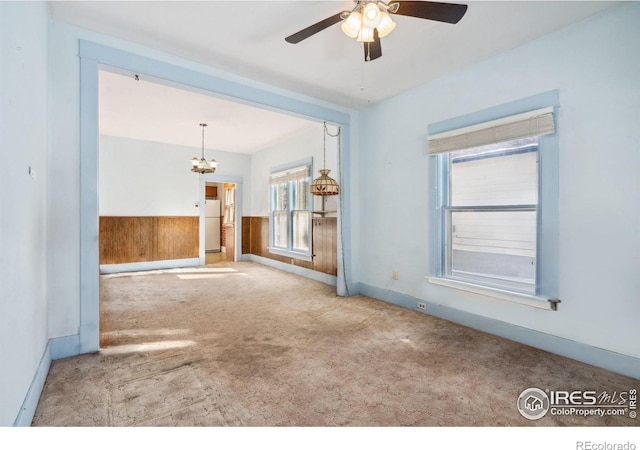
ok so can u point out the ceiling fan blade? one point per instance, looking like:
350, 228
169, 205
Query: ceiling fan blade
313, 29
373, 50
441, 12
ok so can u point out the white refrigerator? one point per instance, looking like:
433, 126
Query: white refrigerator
212, 226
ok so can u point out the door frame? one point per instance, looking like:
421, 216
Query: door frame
94, 57
213, 178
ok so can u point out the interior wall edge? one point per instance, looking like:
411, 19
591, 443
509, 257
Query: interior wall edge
65, 346
30, 403
599, 357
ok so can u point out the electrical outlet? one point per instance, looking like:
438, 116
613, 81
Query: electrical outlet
421, 306
394, 275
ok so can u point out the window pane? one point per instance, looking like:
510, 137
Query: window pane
301, 194
494, 247
280, 226
497, 174
301, 231
281, 200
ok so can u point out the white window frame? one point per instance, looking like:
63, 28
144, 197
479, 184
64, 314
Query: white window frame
440, 144
285, 171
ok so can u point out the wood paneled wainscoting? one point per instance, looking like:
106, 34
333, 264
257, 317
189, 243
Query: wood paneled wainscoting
255, 240
140, 239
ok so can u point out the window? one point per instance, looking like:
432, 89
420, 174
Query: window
290, 220
489, 203
490, 216
229, 217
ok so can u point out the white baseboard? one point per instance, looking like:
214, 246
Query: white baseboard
303, 272
30, 403
149, 265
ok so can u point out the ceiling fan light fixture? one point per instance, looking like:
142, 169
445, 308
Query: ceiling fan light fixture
371, 15
386, 25
365, 35
351, 25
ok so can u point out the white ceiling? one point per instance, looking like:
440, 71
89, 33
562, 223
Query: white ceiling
246, 38
149, 111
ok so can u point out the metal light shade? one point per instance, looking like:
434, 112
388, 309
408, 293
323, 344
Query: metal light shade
324, 184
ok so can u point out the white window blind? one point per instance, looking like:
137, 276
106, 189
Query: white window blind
293, 174
532, 123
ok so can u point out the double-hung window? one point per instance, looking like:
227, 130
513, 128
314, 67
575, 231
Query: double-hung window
290, 220
489, 203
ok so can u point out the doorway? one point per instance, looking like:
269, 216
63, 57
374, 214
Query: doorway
93, 57
219, 222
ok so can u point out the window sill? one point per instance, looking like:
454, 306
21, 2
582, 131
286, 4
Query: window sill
290, 254
523, 299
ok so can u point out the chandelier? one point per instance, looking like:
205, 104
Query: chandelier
201, 165
366, 18
324, 184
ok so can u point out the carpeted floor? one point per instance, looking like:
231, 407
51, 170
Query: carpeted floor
241, 344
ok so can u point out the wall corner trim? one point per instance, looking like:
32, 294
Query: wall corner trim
606, 359
65, 346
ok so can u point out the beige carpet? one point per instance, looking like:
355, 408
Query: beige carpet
241, 344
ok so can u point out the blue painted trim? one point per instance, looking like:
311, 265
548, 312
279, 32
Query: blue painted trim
30, 403
65, 346
299, 163
543, 100
548, 260
89, 254
616, 362
345, 285
140, 64
297, 270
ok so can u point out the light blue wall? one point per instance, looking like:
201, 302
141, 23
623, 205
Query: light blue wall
162, 190
23, 200
596, 69
308, 144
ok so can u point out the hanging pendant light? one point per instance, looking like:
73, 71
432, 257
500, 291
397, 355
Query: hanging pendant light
324, 184
201, 165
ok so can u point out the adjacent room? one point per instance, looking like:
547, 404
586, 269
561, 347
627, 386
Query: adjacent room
320, 214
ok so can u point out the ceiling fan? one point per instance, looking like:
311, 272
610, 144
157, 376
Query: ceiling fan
371, 20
